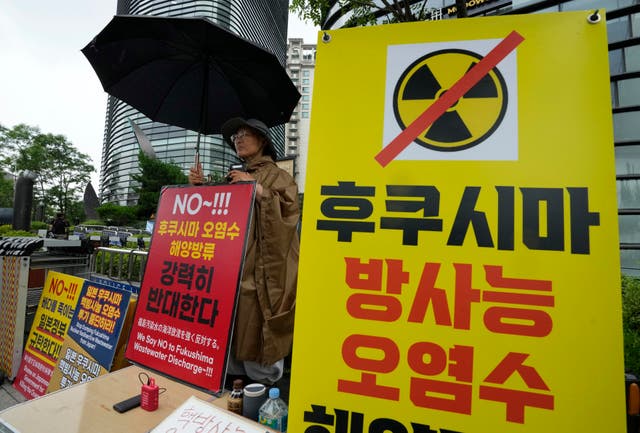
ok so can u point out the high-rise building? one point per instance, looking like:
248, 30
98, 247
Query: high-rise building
263, 22
623, 30
301, 61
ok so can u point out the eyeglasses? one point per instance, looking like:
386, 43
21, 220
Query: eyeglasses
236, 137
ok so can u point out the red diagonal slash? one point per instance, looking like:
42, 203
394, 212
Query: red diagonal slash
442, 104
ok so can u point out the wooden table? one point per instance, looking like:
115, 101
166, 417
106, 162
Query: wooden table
88, 407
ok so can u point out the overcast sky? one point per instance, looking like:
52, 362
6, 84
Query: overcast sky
45, 81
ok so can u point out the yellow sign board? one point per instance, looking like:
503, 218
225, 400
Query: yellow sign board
459, 269
48, 332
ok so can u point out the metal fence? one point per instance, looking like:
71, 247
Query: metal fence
119, 264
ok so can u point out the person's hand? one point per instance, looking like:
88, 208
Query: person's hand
196, 174
242, 176
239, 176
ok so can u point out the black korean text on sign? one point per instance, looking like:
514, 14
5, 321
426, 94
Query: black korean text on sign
192, 306
355, 422
347, 209
429, 204
347, 205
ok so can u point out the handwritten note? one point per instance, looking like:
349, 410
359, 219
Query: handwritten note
196, 415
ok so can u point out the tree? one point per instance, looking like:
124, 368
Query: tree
12, 141
154, 174
631, 323
114, 214
75, 212
33, 157
62, 171
70, 171
6, 192
366, 12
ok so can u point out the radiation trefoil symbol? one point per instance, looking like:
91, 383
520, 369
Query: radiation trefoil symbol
470, 120
455, 100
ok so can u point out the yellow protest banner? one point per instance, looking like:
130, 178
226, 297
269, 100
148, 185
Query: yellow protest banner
459, 269
48, 332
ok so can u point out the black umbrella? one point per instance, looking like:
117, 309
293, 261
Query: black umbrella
189, 72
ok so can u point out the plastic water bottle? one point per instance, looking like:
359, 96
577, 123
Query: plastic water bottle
273, 413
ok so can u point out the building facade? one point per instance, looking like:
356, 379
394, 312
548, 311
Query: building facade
623, 31
263, 22
301, 61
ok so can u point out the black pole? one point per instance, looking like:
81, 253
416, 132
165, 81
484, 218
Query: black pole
23, 201
204, 102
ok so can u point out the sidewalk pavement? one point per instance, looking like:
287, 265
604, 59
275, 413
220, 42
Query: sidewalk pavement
9, 396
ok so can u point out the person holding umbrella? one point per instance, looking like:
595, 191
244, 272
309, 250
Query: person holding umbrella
263, 331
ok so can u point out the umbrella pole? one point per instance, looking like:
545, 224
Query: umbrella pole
198, 149
203, 112
203, 104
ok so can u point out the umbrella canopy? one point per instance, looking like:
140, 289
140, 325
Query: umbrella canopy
189, 72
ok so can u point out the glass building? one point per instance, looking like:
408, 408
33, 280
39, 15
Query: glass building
623, 30
263, 22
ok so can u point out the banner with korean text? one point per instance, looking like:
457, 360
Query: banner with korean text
186, 307
48, 332
92, 337
459, 268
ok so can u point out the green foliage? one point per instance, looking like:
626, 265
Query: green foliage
364, 12
62, 171
631, 323
6, 192
39, 225
12, 141
75, 212
154, 174
94, 223
114, 214
7, 231
19, 234
311, 10
631, 351
216, 178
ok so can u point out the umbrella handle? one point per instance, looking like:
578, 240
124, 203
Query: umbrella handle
196, 170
